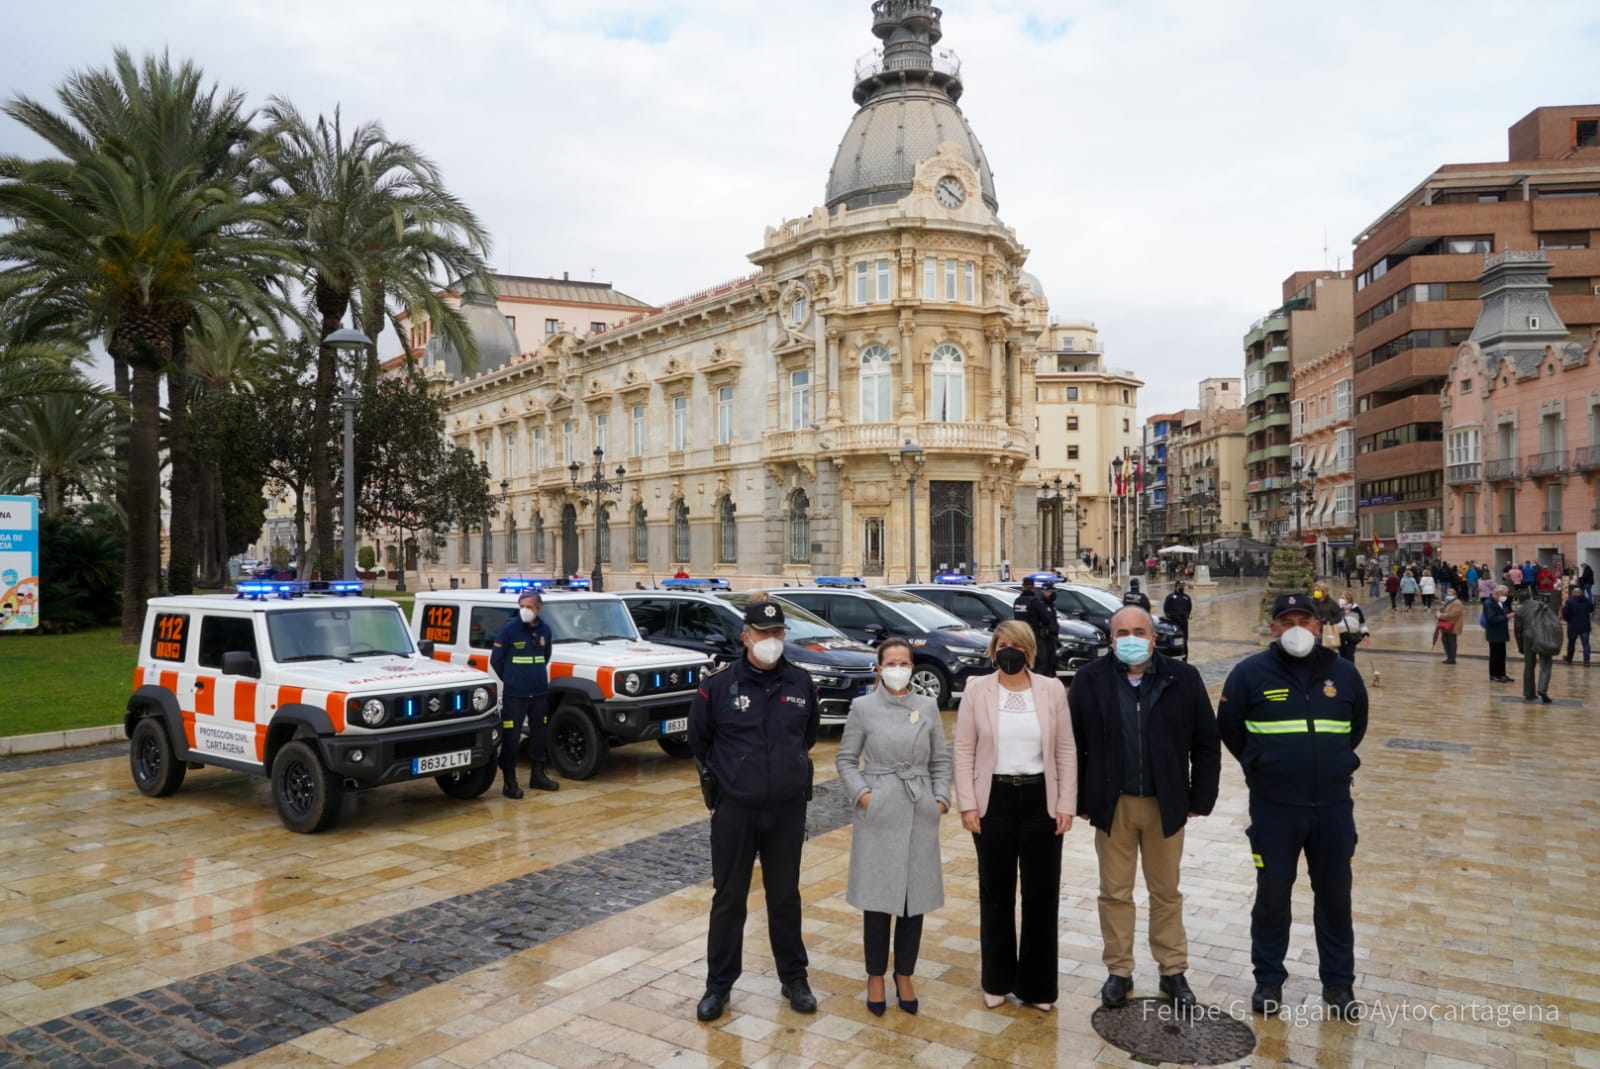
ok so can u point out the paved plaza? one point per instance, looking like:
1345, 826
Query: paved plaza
568, 930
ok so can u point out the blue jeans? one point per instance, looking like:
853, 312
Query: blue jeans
1573, 640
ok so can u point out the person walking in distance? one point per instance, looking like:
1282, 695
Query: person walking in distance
1426, 587
1391, 586
1149, 759
1177, 609
751, 728
1497, 615
1578, 612
1351, 626
1452, 616
1408, 589
1586, 580
1294, 716
894, 765
521, 658
1538, 634
1016, 779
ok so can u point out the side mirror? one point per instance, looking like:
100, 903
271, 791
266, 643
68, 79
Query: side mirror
644, 634
240, 663
425, 647
717, 641
989, 622
877, 631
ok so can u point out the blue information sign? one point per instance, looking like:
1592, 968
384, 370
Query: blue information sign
19, 563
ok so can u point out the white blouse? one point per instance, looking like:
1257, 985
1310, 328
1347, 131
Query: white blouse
1019, 749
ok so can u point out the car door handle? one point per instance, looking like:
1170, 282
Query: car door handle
199, 684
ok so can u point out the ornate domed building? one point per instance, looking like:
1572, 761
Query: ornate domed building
869, 388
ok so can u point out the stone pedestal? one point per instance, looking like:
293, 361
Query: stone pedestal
1202, 576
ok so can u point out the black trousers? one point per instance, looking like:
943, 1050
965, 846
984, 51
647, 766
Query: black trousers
1019, 837
1347, 646
738, 836
1182, 624
519, 716
907, 942
1497, 660
1326, 834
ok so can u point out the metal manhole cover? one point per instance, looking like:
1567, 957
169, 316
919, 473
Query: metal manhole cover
1152, 1031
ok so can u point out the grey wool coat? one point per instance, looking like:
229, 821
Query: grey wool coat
894, 747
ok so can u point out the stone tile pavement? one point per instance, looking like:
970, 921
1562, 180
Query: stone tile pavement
568, 930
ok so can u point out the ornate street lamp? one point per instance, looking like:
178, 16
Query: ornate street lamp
599, 487
1303, 489
912, 457
353, 341
1117, 536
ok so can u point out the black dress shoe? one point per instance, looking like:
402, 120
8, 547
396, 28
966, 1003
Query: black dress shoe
1342, 1002
1267, 998
711, 1005
1177, 989
1545, 698
1114, 992
511, 790
798, 992
541, 782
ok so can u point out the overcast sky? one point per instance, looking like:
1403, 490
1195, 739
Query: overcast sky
1168, 162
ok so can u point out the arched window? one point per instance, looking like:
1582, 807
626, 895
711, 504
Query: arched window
799, 528
727, 532
538, 538
603, 533
680, 531
641, 535
876, 385
511, 539
947, 396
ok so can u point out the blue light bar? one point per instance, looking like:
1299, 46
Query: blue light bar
510, 585
702, 583
840, 580
954, 579
1044, 577
255, 591
346, 586
578, 582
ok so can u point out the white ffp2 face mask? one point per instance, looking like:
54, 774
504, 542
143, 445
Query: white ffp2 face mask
1297, 642
528, 615
895, 678
767, 651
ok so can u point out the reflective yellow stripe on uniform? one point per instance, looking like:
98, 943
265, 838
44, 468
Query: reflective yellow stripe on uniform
1333, 727
1276, 727
522, 660
1257, 859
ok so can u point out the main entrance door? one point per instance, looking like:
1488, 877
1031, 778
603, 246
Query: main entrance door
950, 521
569, 541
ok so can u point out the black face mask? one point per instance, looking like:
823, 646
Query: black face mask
1010, 660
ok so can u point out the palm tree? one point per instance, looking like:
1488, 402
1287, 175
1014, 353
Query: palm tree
146, 217
61, 444
225, 360
373, 224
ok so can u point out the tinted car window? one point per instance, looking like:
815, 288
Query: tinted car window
817, 603
804, 626
221, 634
485, 623
698, 621
652, 616
854, 613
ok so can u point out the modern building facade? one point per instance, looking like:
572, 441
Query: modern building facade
863, 403
1521, 417
1313, 318
1417, 273
1323, 429
1206, 468
1155, 495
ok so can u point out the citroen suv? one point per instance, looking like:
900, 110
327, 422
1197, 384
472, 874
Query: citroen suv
982, 606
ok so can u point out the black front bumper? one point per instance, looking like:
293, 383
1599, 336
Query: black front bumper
834, 702
642, 719
387, 756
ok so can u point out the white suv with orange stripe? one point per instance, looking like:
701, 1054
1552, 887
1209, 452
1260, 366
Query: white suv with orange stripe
318, 691
607, 685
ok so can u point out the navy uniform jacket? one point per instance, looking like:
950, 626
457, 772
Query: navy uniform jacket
521, 657
1294, 724
754, 729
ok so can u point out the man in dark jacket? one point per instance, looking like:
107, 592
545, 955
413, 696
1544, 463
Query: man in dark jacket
1578, 612
1135, 596
752, 726
1040, 616
1148, 759
1293, 715
1497, 615
1538, 635
521, 658
1177, 609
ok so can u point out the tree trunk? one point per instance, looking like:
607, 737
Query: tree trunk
142, 558
300, 546
331, 304
219, 504
180, 491
205, 510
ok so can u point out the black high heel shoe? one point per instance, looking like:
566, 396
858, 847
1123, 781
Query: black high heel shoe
878, 1008
909, 1005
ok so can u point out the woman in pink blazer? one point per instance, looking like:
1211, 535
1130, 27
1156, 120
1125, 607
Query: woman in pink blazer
1016, 783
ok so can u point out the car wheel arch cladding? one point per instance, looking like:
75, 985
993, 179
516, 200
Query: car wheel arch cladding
155, 701
303, 722
573, 688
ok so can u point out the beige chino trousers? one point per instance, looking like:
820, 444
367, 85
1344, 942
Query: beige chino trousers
1136, 835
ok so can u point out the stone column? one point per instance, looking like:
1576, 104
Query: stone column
997, 366
908, 340
835, 415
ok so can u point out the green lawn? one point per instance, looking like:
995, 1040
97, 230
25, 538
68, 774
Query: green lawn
55, 682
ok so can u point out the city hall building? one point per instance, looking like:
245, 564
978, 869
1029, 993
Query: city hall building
868, 389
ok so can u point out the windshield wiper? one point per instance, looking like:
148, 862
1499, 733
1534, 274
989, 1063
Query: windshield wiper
316, 657
608, 638
380, 653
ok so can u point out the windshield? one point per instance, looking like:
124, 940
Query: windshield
588, 619
338, 632
925, 615
803, 626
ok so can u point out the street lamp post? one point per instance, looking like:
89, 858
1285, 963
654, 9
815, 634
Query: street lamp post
354, 341
598, 486
1302, 488
488, 539
1117, 536
911, 456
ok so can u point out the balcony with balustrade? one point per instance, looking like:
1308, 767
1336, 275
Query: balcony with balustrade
1500, 471
1544, 465
1551, 521
1508, 523
1455, 474
1586, 458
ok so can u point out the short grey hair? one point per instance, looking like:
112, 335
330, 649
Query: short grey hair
1150, 621
534, 594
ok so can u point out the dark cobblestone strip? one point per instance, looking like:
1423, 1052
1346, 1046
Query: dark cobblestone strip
223, 1016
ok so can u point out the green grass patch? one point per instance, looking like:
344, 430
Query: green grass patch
58, 682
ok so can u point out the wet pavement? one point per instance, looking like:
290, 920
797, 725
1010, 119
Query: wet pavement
568, 929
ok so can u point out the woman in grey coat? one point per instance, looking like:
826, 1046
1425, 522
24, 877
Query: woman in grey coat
894, 764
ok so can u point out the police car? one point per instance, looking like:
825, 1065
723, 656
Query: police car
982, 605
608, 687
311, 685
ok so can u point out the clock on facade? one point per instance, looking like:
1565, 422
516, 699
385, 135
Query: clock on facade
950, 191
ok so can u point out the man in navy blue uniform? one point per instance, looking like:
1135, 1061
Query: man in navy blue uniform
521, 659
752, 726
1294, 715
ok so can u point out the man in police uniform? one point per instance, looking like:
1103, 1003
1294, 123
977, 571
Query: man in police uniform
751, 726
1040, 616
1135, 596
1177, 609
521, 659
1294, 716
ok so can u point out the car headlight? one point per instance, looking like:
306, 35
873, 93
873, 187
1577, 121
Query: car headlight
374, 712
482, 698
631, 683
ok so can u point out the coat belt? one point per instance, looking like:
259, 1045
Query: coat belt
912, 776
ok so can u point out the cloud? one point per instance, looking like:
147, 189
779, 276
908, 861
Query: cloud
1168, 163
